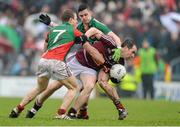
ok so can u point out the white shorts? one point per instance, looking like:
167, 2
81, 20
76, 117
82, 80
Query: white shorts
78, 69
55, 69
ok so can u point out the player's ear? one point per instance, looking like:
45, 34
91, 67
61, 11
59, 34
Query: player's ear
70, 20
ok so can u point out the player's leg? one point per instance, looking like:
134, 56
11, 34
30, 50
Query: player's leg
52, 87
42, 85
72, 86
82, 113
88, 82
112, 93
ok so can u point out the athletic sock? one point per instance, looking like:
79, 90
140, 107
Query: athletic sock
20, 108
61, 111
83, 112
118, 105
36, 107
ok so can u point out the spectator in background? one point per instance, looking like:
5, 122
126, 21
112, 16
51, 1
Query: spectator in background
170, 20
148, 66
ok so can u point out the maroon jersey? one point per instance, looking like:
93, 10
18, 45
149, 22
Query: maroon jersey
104, 46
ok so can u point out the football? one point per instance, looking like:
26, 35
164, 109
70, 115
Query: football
117, 71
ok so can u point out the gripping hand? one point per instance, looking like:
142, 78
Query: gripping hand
45, 19
117, 54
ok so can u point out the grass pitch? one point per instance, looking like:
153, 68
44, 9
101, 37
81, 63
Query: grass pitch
101, 111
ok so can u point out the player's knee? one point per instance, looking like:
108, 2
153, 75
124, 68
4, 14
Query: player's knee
73, 87
88, 88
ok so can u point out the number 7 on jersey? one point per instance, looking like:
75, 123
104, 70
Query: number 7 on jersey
59, 33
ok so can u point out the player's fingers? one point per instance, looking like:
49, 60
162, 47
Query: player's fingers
46, 16
117, 59
113, 56
42, 21
41, 16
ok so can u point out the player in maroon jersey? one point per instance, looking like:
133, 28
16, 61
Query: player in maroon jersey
105, 46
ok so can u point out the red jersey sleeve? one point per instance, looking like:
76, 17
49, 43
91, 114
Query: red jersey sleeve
77, 33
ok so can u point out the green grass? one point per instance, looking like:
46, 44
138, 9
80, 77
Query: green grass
101, 112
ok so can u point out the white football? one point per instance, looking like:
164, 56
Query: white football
117, 71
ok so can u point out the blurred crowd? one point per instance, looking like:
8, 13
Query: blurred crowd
22, 35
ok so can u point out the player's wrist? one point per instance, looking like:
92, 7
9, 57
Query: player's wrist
52, 24
119, 47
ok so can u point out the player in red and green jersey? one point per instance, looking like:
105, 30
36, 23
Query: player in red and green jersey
52, 65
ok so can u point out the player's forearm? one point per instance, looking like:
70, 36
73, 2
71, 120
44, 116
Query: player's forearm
94, 32
115, 38
96, 55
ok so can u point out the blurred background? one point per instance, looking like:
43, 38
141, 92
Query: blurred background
156, 22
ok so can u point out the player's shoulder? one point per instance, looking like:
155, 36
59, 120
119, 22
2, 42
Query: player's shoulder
95, 21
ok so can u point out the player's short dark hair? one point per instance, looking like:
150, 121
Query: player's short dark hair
67, 14
129, 42
82, 7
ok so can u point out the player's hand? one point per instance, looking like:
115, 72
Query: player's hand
44, 19
117, 54
106, 69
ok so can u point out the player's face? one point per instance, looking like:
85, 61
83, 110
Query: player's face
130, 53
85, 16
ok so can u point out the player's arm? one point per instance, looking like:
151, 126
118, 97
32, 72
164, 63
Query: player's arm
107, 31
96, 55
100, 26
115, 38
94, 32
46, 20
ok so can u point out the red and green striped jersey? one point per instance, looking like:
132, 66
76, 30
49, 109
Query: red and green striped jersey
60, 39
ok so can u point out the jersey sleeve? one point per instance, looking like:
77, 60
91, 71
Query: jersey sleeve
108, 41
77, 33
102, 27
